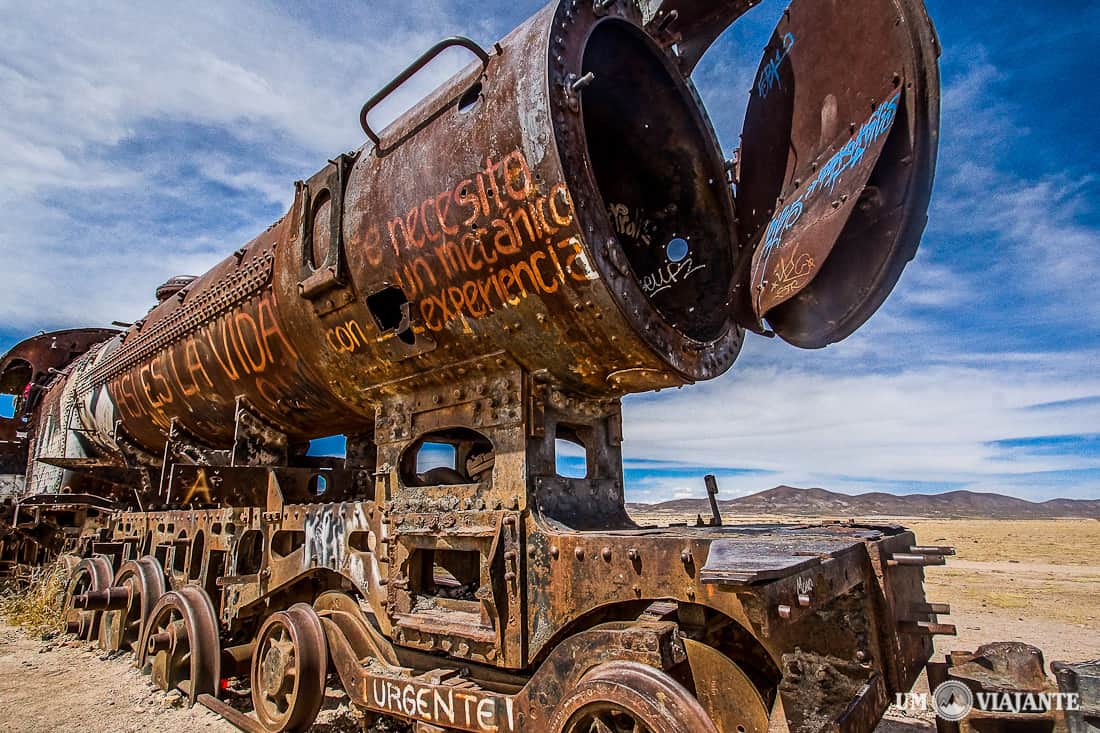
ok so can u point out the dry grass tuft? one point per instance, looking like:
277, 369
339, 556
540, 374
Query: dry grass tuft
38, 607
1006, 600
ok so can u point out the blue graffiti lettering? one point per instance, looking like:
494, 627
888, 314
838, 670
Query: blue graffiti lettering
773, 237
829, 174
853, 151
769, 75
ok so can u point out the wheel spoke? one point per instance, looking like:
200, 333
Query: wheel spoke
288, 643
602, 724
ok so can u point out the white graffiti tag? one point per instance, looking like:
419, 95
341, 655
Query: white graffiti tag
324, 538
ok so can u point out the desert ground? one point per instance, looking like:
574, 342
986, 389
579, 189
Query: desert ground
1029, 580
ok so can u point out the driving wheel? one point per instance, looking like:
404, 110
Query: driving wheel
143, 583
629, 697
90, 574
289, 669
179, 645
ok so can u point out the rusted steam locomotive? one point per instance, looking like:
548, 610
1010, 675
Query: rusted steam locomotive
553, 228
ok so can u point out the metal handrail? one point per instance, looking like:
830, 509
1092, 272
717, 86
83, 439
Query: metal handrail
416, 66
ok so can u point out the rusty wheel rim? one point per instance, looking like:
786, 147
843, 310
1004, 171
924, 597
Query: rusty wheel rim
629, 697
170, 649
179, 645
90, 574
288, 669
122, 629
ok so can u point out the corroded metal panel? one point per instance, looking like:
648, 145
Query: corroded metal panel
836, 165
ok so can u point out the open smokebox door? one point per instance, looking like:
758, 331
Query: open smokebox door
836, 163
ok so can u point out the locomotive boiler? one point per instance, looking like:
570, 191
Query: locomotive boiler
553, 228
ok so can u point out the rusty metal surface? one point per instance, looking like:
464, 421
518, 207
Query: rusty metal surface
571, 235
13, 455
26, 370
1083, 680
837, 161
142, 582
1007, 666
725, 692
625, 695
29, 362
90, 574
179, 644
231, 714
289, 669
1011, 668
693, 25
767, 557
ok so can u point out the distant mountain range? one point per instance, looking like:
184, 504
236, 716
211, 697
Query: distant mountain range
789, 500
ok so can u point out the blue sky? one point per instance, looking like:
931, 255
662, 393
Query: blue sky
140, 142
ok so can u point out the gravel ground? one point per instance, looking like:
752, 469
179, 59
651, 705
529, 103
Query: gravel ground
64, 685
56, 684
59, 685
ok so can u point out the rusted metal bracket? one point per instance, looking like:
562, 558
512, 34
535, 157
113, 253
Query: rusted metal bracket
182, 444
1082, 680
321, 214
256, 442
1000, 668
135, 455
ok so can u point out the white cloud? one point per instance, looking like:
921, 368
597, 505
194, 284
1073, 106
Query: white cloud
927, 425
1038, 243
88, 229
931, 284
223, 169
81, 74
